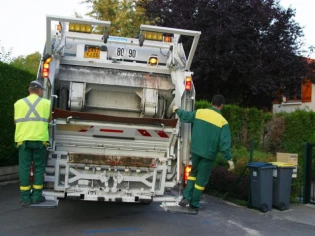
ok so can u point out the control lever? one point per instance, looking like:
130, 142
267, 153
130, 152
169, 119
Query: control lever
72, 118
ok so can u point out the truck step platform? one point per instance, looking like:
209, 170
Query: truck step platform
48, 203
173, 207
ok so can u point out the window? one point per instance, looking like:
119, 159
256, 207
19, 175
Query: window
306, 91
302, 93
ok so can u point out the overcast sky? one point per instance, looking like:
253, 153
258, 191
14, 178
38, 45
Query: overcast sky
22, 22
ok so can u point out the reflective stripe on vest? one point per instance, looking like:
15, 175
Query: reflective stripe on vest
32, 110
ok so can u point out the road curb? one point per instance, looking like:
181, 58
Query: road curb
9, 174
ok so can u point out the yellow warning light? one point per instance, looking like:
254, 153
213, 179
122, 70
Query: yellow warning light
153, 61
167, 39
80, 28
153, 35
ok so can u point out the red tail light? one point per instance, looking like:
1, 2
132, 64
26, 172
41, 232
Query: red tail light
188, 83
45, 72
186, 174
46, 66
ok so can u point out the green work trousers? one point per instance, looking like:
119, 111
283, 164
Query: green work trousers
31, 151
198, 179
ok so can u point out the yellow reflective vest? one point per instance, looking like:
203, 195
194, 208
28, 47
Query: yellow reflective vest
31, 116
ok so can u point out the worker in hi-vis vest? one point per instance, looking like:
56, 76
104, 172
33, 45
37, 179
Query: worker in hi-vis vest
31, 117
210, 135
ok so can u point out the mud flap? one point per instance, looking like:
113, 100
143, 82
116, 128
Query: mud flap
50, 202
173, 207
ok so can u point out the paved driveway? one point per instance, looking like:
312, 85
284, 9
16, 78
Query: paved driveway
95, 218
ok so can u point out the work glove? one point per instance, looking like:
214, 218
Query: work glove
231, 165
175, 108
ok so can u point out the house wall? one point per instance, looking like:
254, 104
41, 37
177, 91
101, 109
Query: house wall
291, 106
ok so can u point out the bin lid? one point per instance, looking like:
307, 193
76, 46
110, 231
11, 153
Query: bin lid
282, 164
261, 164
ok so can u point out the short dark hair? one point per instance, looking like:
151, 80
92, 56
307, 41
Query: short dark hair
217, 100
33, 90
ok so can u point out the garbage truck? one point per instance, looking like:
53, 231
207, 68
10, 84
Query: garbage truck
113, 134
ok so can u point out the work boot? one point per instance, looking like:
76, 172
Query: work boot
196, 208
42, 199
193, 210
183, 203
25, 204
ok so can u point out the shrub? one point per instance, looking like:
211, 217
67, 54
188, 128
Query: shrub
14, 85
235, 183
234, 115
273, 135
202, 104
228, 182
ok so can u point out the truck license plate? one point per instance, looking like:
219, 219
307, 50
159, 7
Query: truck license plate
91, 52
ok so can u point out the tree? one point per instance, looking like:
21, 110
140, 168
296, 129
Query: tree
248, 49
124, 15
29, 63
5, 56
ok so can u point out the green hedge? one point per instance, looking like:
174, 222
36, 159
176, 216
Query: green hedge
299, 128
245, 123
283, 132
14, 85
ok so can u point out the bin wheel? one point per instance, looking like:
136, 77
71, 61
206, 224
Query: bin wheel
263, 207
281, 206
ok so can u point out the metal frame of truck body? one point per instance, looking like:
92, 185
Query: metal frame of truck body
149, 155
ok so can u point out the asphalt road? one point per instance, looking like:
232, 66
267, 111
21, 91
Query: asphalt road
95, 218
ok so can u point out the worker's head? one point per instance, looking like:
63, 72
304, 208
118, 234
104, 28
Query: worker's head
218, 101
36, 87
